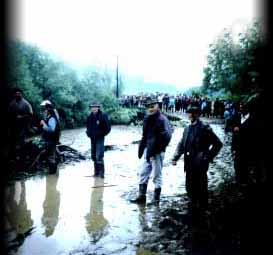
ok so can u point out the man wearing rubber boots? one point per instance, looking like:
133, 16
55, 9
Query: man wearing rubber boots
98, 126
156, 136
199, 145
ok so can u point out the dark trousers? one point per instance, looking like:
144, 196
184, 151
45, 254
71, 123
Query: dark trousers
97, 154
241, 171
197, 182
51, 152
50, 147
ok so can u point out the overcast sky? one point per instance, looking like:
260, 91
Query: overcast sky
161, 40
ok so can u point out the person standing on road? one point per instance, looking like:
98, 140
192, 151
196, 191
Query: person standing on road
199, 145
98, 126
156, 136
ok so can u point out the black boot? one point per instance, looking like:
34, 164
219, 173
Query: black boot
101, 170
156, 197
96, 170
52, 168
141, 199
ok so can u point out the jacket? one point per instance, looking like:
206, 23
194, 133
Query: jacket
198, 150
156, 135
49, 134
98, 125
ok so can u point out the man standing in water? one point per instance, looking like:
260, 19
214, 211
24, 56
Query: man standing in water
51, 135
199, 145
156, 136
98, 126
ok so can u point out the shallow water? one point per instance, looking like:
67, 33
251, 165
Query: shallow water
74, 213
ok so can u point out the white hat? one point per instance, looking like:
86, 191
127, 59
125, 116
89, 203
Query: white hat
45, 102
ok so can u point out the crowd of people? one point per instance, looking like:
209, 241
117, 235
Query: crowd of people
210, 108
179, 103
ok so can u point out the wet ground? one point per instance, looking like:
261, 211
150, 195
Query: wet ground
74, 213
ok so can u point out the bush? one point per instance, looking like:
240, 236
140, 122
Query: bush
122, 116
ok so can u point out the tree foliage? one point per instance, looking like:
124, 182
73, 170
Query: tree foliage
233, 66
42, 77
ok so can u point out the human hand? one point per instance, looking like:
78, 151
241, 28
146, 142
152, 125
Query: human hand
42, 122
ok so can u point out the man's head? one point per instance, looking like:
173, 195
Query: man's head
152, 106
46, 105
94, 107
193, 113
48, 109
18, 94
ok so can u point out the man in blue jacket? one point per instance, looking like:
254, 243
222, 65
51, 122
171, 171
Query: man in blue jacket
156, 136
98, 126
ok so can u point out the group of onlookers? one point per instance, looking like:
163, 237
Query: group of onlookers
217, 108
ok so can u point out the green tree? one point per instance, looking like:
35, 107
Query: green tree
231, 65
19, 74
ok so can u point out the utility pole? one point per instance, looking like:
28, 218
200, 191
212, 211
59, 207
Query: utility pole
117, 92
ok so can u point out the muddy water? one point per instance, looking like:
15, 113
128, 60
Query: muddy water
74, 213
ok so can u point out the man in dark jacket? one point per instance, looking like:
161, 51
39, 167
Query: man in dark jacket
51, 135
156, 136
248, 148
195, 145
98, 126
20, 116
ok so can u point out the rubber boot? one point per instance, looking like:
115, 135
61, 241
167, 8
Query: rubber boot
101, 170
156, 197
52, 168
96, 170
141, 199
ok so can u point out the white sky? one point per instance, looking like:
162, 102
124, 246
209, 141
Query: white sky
162, 40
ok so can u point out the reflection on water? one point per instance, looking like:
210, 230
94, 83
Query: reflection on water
18, 216
51, 205
95, 222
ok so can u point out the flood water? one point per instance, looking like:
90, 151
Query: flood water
72, 213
